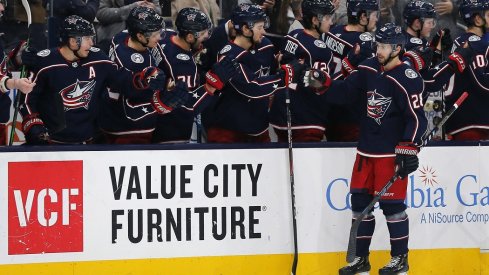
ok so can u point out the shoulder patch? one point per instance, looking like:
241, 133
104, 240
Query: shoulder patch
411, 73
416, 40
44, 53
183, 56
137, 58
319, 44
94, 49
226, 48
366, 36
473, 38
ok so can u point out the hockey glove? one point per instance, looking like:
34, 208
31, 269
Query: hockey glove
319, 81
356, 56
222, 72
150, 78
292, 72
420, 57
165, 101
406, 158
34, 130
460, 58
446, 40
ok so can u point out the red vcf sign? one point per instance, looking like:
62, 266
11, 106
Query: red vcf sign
45, 207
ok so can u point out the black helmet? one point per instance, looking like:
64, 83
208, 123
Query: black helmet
390, 33
468, 8
354, 7
418, 10
317, 7
192, 20
144, 20
246, 14
74, 26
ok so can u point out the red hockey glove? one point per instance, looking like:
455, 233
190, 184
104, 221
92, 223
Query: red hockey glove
150, 78
460, 58
222, 72
420, 57
34, 130
165, 101
318, 80
292, 72
406, 158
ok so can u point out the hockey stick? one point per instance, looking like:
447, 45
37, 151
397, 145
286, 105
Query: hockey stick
23, 73
352, 241
291, 179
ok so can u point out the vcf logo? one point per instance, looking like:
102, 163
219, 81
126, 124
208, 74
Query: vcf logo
45, 207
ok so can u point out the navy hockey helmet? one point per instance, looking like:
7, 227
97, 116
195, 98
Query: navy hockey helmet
469, 8
317, 7
192, 20
246, 14
355, 7
390, 33
418, 10
144, 20
74, 26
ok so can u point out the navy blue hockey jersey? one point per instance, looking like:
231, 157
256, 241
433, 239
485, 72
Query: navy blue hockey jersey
393, 107
4, 98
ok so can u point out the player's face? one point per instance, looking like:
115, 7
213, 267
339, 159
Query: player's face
153, 39
486, 16
372, 21
383, 52
201, 37
86, 44
326, 22
428, 25
258, 31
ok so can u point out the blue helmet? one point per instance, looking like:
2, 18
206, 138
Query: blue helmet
355, 7
246, 14
75, 26
192, 20
144, 20
317, 7
390, 33
418, 10
468, 8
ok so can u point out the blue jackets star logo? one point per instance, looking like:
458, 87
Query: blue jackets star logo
377, 105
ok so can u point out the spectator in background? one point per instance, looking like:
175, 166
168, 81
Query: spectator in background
112, 16
295, 5
209, 7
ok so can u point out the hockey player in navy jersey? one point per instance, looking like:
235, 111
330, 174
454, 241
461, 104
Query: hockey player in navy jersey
308, 115
175, 57
126, 119
420, 19
63, 106
391, 131
241, 111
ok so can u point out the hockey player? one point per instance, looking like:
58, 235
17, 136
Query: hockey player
132, 120
241, 111
308, 115
343, 121
175, 56
391, 129
65, 101
420, 19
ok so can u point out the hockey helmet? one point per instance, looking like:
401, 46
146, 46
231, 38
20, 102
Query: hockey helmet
390, 33
354, 7
144, 20
74, 26
468, 8
246, 14
317, 7
418, 10
192, 20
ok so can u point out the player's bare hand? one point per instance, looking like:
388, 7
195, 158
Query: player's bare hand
268, 4
25, 85
444, 7
146, 4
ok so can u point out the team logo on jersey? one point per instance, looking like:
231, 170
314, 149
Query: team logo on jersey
377, 105
78, 94
137, 58
366, 36
226, 48
473, 38
416, 40
183, 56
44, 53
319, 44
411, 73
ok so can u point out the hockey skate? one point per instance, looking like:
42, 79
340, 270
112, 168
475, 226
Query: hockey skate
397, 266
360, 266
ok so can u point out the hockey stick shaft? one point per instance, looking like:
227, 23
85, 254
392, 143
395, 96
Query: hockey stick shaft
23, 74
352, 240
291, 179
